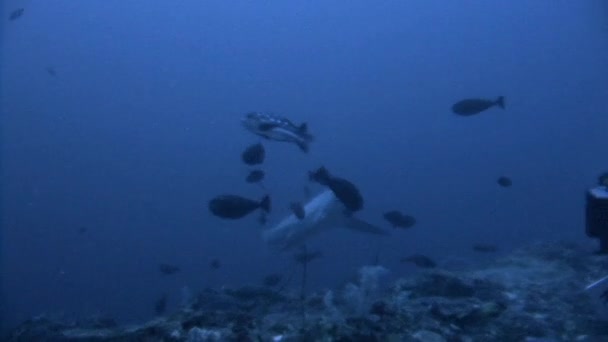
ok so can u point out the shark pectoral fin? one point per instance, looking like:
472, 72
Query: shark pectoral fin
361, 226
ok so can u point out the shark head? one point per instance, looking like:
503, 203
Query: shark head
323, 212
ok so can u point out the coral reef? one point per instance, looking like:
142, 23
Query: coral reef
533, 294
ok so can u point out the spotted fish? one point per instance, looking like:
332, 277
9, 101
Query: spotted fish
277, 128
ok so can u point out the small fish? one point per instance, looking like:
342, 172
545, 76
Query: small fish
254, 154
344, 190
16, 14
51, 71
484, 248
420, 260
215, 264
255, 176
236, 207
505, 182
168, 269
161, 304
397, 219
277, 128
272, 280
470, 107
298, 210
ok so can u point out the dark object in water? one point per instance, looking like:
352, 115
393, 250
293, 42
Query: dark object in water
254, 154
344, 190
596, 216
236, 207
298, 210
255, 176
470, 107
397, 219
160, 307
16, 14
272, 280
82, 229
504, 181
215, 264
51, 71
485, 248
420, 260
168, 269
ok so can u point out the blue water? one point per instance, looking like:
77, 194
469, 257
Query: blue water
140, 127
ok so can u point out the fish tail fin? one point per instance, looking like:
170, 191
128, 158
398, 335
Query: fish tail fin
361, 226
303, 145
501, 102
321, 175
265, 203
303, 132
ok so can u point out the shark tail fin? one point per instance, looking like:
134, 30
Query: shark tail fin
304, 134
303, 145
361, 226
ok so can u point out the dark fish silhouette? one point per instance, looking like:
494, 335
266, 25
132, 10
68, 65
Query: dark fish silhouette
420, 260
215, 264
298, 210
344, 190
470, 107
16, 14
255, 176
160, 307
236, 207
277, 128
168, 269
51, 71
505, 182
397, 219
484, 248
254, 154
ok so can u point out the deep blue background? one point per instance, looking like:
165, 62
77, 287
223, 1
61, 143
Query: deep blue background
141, 127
